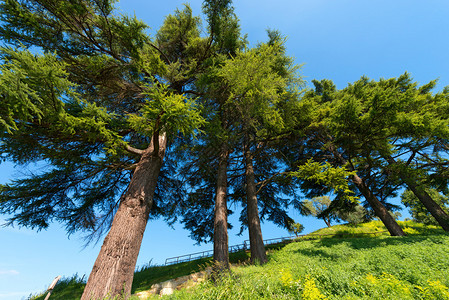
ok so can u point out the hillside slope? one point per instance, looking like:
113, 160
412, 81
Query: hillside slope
414, 267
383, 267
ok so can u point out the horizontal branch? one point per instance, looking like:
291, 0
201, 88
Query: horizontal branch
134, 150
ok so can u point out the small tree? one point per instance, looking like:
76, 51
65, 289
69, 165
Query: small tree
316, 206
322, 208
296, 229
355, 215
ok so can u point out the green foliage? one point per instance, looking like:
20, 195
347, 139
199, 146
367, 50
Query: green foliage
355, 216
166, 112
366, 124
144, 278
319, 208
418, 211
363, 268
223, 25
31, 87
95, 84
323, 208
254, 88
412, 267
66, 288
182, 47
365, 229
328, 175
388, 107
317, 205
296, 228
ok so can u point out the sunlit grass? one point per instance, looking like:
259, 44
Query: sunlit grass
369, 228
342, 267
413, 267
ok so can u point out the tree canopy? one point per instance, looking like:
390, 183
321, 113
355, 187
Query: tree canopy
418, 211
133, 125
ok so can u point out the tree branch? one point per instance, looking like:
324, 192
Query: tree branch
134, 150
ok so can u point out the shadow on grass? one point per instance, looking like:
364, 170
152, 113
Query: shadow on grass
147, 276
72, 288
370, 243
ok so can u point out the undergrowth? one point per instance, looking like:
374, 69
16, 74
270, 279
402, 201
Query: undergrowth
414, 267
144, 278
382, 267
375, 228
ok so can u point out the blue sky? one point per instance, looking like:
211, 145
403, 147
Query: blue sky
334, 39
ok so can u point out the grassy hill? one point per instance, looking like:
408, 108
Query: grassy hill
341, 267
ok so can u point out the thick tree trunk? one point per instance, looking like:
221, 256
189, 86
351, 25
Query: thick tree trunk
434, 209
379, 209
221, 252
255, 231
113, 271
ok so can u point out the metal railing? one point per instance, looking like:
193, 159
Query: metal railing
277, 240
245, 245
203, 254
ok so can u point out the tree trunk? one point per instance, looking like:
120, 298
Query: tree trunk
113, 271
255, 232
434, 209
378, 207
328, 223
221, 252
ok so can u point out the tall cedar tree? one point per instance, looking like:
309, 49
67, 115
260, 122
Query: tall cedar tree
390, 125
204, 160
324, 141
99, 105
375, 122
260, 81
225, 29
224, 136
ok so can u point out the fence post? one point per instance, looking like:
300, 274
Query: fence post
52, 286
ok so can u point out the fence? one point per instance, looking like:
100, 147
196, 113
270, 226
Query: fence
245, 245
203, 254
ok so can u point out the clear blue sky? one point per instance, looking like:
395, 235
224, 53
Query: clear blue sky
339, 40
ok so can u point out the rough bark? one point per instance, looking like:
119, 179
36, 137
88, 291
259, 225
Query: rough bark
379, 209
434, 209
221, 252
255, 232
113, 271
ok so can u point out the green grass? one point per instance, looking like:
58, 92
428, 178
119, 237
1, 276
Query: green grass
144, 278
66, 288
413, 267
147, 276
364, 229
382, 267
